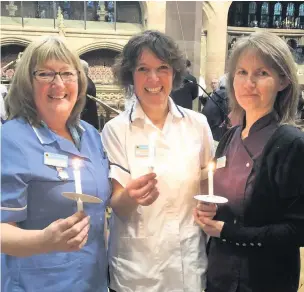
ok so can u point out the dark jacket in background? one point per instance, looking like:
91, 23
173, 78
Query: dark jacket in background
301, 108
214, 115
89, 113
187, 93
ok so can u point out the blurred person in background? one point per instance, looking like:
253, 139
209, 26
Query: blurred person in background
185, 95
89, 113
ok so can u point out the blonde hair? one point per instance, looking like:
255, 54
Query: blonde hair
276, 54
20, 100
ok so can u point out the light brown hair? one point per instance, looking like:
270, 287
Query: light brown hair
275, 53
20, 98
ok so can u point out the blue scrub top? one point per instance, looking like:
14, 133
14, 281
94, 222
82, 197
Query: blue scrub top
32, 197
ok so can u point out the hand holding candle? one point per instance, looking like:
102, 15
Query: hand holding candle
210, 179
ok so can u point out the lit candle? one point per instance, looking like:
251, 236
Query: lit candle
76, 171
210, 178
151, 157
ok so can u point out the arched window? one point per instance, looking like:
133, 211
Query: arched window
100, 62
93, 11
45, 9
277, 15
301, 17
39, 9
128, 11
290, 9
9, 54
238, 21
277, 9
252, 7
301, 10
265, 15
290, 13
71, 10
252, 18
11, 8
109, 7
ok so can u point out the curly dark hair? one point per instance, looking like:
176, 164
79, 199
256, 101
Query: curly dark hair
161, 45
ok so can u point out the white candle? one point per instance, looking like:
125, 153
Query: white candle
151, 157
79, 205
77, 177
210, 178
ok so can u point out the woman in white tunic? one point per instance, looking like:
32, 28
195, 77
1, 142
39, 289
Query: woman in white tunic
156, 151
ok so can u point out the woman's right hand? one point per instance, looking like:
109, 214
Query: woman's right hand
143, 190
206, 210
69, 234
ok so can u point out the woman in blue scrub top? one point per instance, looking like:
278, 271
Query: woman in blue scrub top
48, 245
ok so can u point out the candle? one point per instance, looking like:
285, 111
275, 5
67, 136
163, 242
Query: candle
79, 205
76, 171
210, 178
151, 157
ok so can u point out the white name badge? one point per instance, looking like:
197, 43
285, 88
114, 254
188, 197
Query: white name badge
141, 150
221, 162
57, 160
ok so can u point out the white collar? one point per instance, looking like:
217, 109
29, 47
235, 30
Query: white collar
136, 111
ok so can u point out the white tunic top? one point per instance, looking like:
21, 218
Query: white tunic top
159, 248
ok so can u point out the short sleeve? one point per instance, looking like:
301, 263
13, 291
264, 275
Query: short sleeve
15, 175
113, 142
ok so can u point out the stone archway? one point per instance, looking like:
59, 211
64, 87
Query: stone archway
15, 41
10, 50
214, 39
100, 45
100, 62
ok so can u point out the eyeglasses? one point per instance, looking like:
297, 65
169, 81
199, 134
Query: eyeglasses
47, 76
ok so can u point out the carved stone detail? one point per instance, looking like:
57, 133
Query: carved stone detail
60, 20
11, 8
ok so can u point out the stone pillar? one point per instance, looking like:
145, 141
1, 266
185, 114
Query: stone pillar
203, 54
217, 13
184, 25
156, 15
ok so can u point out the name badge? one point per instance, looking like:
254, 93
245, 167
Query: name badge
221, 162
141, 150
56, 160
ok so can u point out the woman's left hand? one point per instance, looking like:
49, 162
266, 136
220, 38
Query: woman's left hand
210, 227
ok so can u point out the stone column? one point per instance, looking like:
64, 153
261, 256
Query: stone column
216, 25
184, 25
156, 15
